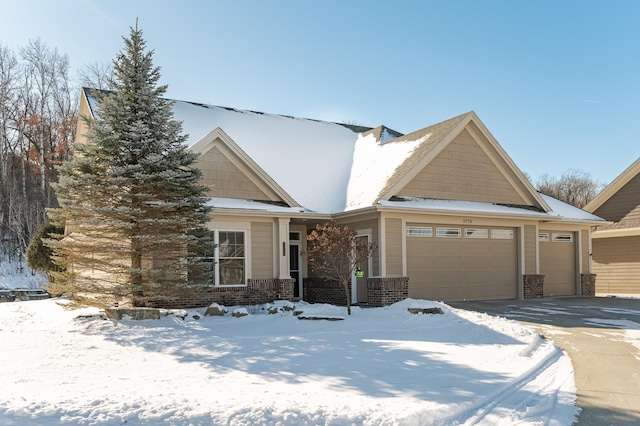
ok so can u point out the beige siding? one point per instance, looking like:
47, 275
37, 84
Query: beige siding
81, 129
224, 179
371, 224
463, 171
262, 250
393, 237
558, 265
616, 261
530, 249
624, 205
584, 240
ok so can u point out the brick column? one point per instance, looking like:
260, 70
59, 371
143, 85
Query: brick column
385, 291
533, 286
588, 284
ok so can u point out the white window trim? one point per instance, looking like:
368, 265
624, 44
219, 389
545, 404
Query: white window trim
495, 234
216, 258
419, 231
564, 237
474, 234
444, 232
543, 237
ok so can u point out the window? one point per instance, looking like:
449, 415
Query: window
562, 238
419, 231
543, 237
294, 236
228, 256
502, 234
476, 233
448, 232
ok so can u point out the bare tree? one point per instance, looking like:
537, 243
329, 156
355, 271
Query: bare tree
38, 112
334, 252
96, 75
575, 187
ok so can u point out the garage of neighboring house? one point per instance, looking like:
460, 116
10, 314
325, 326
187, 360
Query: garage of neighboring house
558, 262
459, 263
616, 260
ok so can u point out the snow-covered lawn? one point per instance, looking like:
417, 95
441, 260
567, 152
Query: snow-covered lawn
381, 366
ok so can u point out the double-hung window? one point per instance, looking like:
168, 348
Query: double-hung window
229, 258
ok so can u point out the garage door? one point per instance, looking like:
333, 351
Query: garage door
558, 263
453, 263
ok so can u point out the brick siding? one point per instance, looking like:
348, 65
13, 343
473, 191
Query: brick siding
385, 291
533, 286
257, 292
317, 290
588, 282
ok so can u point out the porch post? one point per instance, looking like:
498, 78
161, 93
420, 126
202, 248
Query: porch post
283, 248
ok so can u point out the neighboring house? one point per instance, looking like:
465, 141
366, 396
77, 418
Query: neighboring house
452, 215
616, 246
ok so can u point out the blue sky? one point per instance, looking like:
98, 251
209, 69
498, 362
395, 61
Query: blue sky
556, 82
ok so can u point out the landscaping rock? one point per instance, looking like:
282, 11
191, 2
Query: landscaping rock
215, 310
317, 318
426, 311
238, 313
133, 313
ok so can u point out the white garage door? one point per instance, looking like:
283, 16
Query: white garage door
558, 263
456, 263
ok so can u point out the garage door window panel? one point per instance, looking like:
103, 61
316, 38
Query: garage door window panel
448, 232
562, 238
481, 233
502, 234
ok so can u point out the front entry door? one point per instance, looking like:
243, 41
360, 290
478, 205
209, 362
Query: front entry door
294, 263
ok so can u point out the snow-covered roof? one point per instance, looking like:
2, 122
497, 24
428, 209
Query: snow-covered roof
239, 204
330, 167
309, 159
560, 210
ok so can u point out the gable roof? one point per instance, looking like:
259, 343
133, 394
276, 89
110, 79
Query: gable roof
262, 180
611, 189
380, 169
323, 167
309, 159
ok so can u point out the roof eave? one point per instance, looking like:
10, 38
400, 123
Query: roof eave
611, 189
492, 215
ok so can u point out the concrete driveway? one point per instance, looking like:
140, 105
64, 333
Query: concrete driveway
602, 337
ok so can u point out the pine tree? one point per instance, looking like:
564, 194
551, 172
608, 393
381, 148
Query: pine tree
38, 255
130, 197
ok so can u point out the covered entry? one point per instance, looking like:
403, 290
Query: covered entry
558, 262
459, 263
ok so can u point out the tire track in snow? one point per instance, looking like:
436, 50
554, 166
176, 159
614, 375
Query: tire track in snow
492, 409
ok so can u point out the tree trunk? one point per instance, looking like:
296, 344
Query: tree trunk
347, 293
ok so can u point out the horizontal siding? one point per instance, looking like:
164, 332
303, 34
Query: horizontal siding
262, 250
394, 247
530, 258
371, 224
616, 261
623, 205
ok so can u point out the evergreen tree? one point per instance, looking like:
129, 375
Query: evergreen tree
38, 255
130, 197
